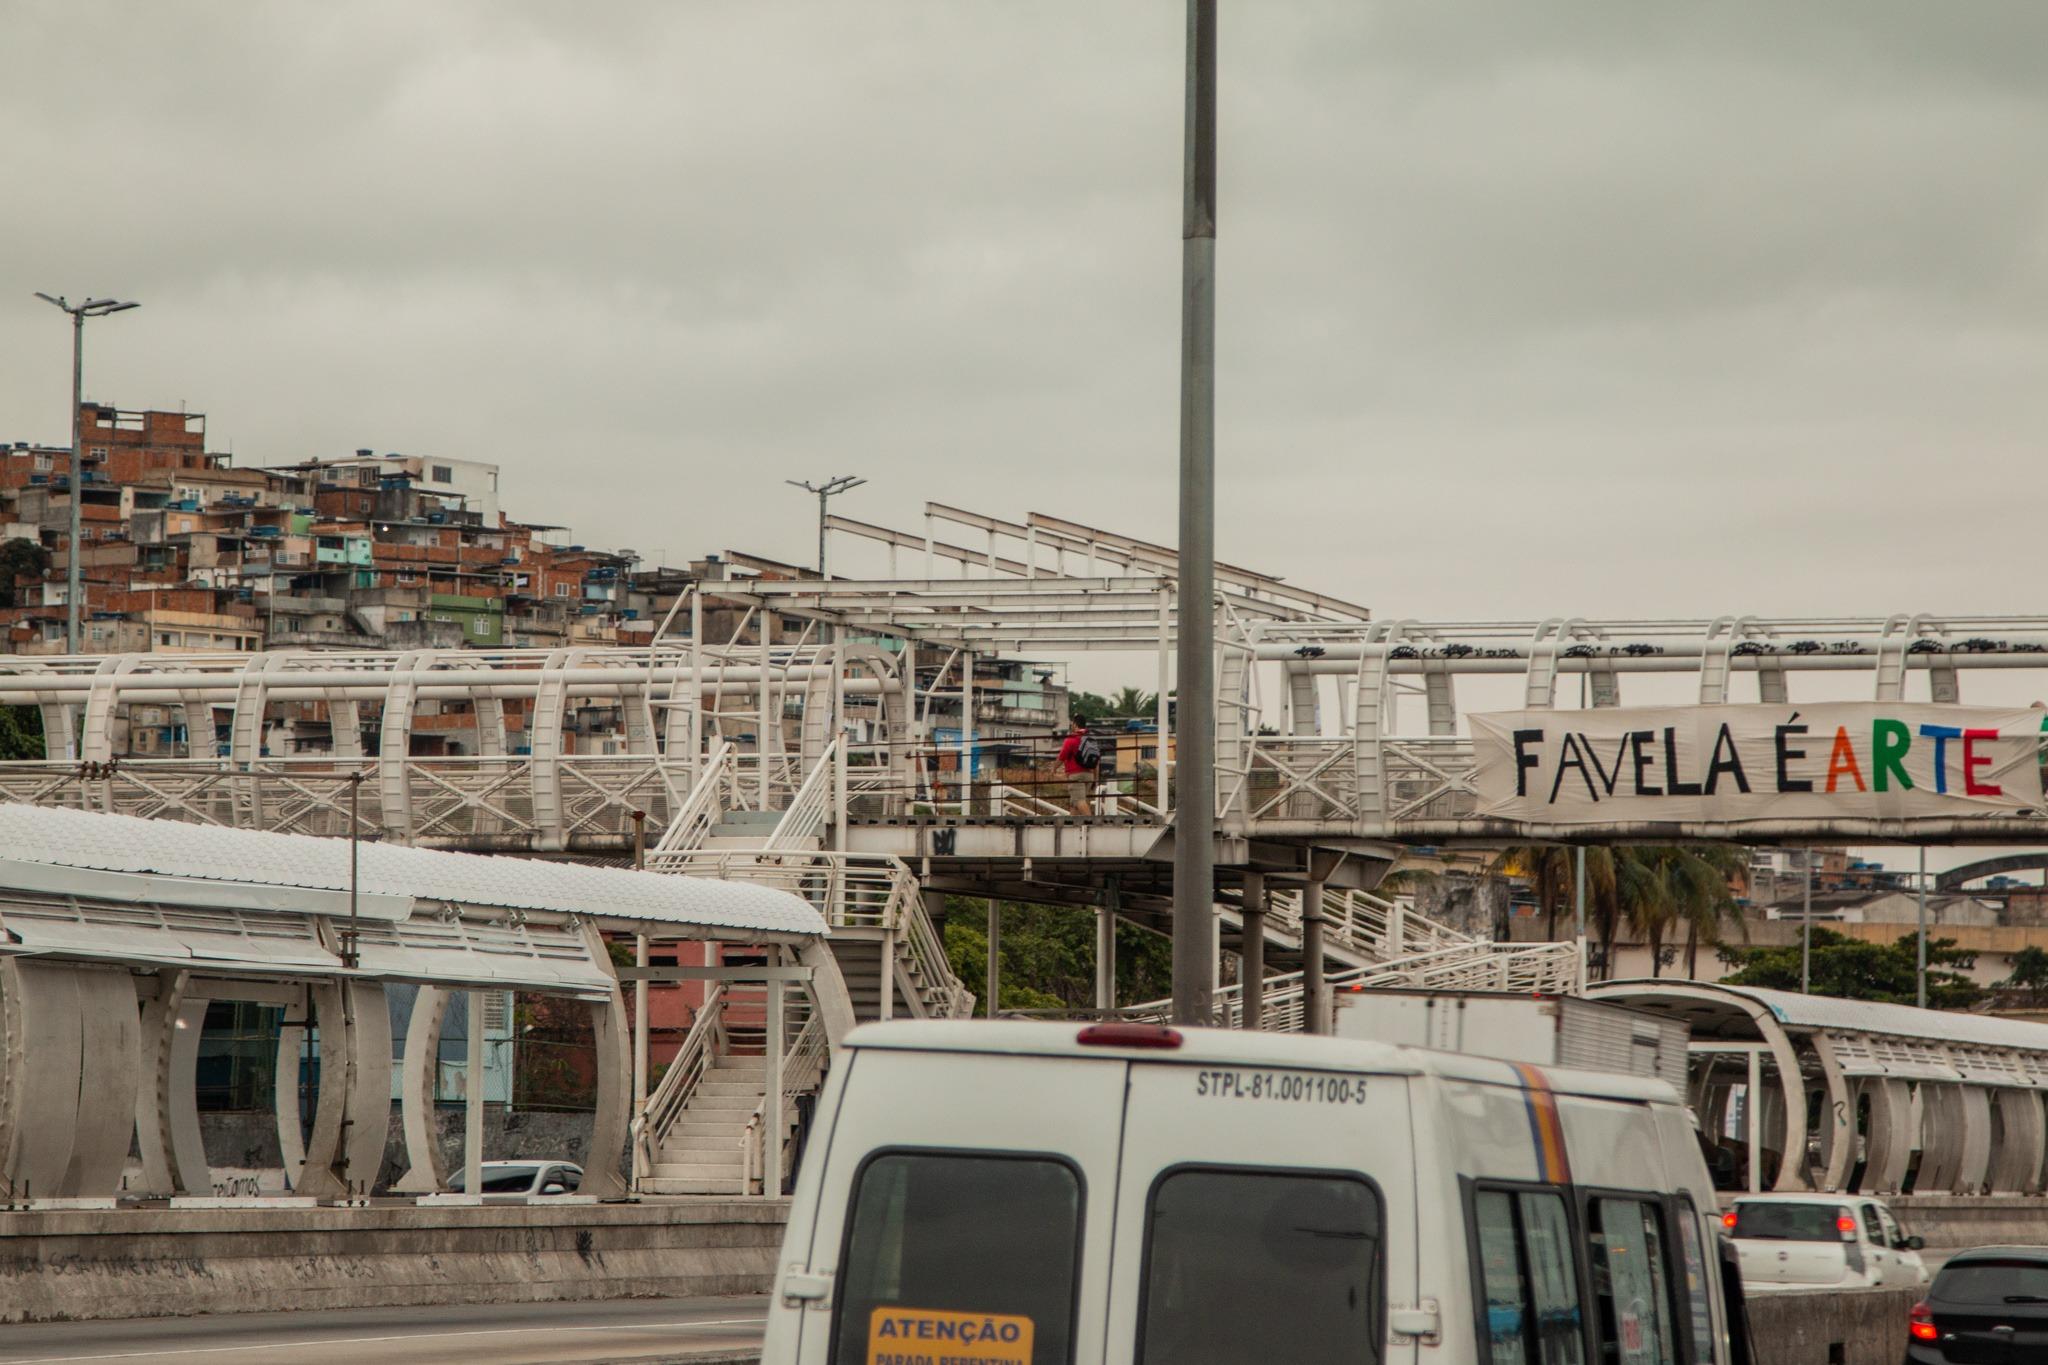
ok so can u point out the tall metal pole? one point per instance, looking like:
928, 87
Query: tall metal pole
74, 569
1194, 854
1920, 972
825, 491
1806, 928
1579, 893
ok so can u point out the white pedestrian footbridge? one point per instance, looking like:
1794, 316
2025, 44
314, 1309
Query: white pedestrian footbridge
1812, 1092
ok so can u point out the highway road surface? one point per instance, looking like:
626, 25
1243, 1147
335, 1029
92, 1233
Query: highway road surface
612, 1330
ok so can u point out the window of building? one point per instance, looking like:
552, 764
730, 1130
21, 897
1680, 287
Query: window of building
1530, 1279
96, 453
1631, 1277
561, 589
1256, 1265
443, 474
45, 462
919, 1252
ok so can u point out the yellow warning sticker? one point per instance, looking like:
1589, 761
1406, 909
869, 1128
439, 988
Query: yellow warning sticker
933, 1336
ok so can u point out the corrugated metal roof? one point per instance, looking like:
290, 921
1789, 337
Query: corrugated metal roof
202, 853
1869, 1016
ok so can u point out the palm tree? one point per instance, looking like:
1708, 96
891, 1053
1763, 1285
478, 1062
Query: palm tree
1133, 703
1664, 886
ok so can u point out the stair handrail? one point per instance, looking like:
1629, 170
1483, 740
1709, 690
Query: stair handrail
1550, 968
803, 1070
937, 981
810, 809
685, 1073
699, 810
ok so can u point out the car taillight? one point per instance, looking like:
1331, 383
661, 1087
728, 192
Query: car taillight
1128, 1035
1847, 1227
1920, 1322
1728, 1219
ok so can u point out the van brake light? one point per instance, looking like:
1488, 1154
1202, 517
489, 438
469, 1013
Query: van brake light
1728, 1219
1920, 1323
1847, 1227
1128, 1035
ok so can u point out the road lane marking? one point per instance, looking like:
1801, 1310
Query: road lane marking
761, 1321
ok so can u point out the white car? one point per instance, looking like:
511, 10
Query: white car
1807, 1241
509, 1181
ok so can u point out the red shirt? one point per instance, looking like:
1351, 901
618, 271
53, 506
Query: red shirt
1070, 754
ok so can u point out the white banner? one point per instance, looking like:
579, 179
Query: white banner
1835, 761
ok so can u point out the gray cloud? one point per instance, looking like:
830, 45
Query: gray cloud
1525, 309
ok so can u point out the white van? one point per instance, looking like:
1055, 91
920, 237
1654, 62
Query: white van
1052, 1194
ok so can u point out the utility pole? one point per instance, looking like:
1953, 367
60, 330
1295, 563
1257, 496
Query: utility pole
1194, 853
91, 308
825, 491
1806, 927
1920, 972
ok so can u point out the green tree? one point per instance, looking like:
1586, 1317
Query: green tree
1855, 970
1133, 703
1087, 707
21, 733
2029, 973
1049, 955
21, 560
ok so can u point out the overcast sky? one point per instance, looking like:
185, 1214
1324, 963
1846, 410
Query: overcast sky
1525, 309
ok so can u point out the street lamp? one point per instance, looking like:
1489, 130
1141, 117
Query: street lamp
825, 491
91, 308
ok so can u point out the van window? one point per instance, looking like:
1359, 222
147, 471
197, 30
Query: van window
1697, 1300
1531, 1284
945, 1247
1257, 1265
1630, 1281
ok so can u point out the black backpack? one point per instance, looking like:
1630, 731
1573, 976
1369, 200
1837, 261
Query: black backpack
1089, 755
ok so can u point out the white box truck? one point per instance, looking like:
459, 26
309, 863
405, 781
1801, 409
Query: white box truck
1547, 1030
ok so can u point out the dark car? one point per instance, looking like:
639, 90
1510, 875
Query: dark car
1986, 1307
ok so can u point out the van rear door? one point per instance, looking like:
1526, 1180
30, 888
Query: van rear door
1262, 1214
940, 1242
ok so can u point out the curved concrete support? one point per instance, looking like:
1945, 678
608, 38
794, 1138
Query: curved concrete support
102, 703
2022, 1135
70, 1033
426, 1170
1837, 1119
544, 741
828, 991
60, 733
110, 1064
368, 1115
1973, 1159
1942, 1120
490, 727
191, 1173
40, 1091
352, 1115
159, 1016
1889, 1138
291, 1124
345, 727
319, 1175
394, 746
613, 1119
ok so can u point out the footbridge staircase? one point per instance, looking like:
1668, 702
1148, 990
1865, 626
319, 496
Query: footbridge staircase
705, 1126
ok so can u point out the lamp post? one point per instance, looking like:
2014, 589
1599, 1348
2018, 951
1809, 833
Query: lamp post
91, 308
825, 491
1194, 852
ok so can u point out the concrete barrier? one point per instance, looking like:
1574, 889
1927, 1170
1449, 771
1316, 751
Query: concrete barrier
1828, 1327
65, 1265
1953, 1222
